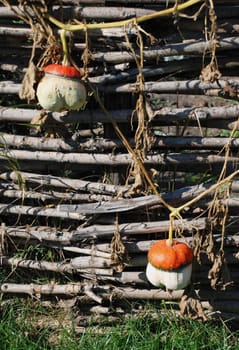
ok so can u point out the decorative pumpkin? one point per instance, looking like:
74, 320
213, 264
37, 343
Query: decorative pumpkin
169, 265
61, 88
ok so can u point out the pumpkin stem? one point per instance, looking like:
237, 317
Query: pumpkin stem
169, 241
172, 216
65, 61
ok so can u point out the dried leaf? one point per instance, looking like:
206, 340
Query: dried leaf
118, 250
219, 273
27, 90
44, 122
191, 306
210, 73
230, 90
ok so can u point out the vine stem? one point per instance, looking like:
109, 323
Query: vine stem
66, 60
85, 26
175, 212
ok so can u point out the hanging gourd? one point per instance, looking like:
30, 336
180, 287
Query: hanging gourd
61, 88
169, 264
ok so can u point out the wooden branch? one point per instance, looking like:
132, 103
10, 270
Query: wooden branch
188, 86
61, 182
9, 87
188, 142
171, 2
16, 31
148, 72
26, 33
174, 198
195, 48
91, 251
47, 235
196, 113
96, 159
37, 265
74, 266
101, 144
38, 211
229, 202
175, 115
58, 144
77, 288
180, 66
217, 301
87, 12
153, 294
225, 25
18, 114
45, 196
215, 309
40, 143
43, 234
130, 75
138, 228
138, 247
63, 238
86, 116
32, 289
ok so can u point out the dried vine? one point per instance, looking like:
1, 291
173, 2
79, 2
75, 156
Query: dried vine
210, 72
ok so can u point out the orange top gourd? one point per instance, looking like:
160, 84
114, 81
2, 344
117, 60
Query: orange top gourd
169, 265
62, 70
170, 257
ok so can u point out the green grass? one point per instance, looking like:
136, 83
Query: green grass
24, 327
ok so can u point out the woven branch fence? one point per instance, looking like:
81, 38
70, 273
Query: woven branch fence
76, 221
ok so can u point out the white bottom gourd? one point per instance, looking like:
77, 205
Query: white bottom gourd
173, 279
57, 93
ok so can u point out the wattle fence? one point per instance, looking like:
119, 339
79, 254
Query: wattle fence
83, 193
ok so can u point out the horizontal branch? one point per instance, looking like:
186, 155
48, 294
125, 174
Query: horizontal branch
130, 75
47, 235
51, 195
61, 182
205, 117
101, 144
85, 116
9, 87
196, 113
63, 238
42, 289
26, 33
40, 143
59, 267
213, 306
188, 86
87, 12
77, 288
171, 2
195, 48
155, 71
174, 198
97, 159
188, 142
38, 211
138, 247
